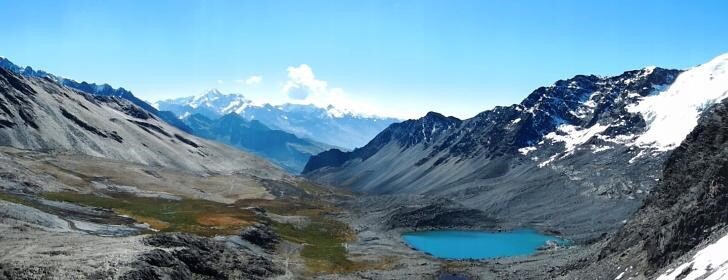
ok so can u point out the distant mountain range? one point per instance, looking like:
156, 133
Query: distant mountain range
206, 114
280, 147
331, 125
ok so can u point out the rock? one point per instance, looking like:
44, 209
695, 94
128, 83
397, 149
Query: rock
439, 214
261, 235
202, 257
159, 264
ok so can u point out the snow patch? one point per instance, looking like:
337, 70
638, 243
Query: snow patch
546, 162
573, 136
597, 149
525, 150
710, 263
674, 112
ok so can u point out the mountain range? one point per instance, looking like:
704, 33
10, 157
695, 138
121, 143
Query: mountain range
332, 126
41, 114
95, 89
580, 154
631, 169
282, 148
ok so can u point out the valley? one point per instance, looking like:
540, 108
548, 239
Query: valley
95, 186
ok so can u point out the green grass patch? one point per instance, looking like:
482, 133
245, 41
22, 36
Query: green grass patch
12, 198
323, 244
197, 216
323, 238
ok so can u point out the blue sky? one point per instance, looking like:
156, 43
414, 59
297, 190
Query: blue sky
400, 58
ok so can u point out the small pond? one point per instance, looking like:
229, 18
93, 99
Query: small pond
456, 244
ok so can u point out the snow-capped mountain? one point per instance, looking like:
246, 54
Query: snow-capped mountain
211, 104
587, 144
680, 231
328, 125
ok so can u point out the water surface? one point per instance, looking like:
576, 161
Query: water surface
454, 244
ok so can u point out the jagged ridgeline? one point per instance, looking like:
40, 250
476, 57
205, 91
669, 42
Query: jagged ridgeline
588, 146
40, 114
561, 155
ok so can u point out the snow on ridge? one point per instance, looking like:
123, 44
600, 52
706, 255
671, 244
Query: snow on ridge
710, 263
573, 136
525, 150
674, 112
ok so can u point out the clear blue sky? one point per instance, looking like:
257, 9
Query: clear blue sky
399, 57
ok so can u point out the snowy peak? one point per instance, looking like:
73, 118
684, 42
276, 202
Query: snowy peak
672, 113
211, 104
588, 112
330, 125
217, 101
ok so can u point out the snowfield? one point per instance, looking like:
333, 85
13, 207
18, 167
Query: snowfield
710, 263
673, 113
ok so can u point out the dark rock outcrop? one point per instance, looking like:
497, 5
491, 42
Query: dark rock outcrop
441, 214
158, 264
261, 235
192, 257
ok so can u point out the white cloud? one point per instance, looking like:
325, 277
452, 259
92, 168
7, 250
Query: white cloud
302, 83
302, 87
220, 82
253, 80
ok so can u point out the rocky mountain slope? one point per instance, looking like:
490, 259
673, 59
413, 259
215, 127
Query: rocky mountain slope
40, 114
280, 147
325, 125
559, 159
680, 230
94, 89
96, 187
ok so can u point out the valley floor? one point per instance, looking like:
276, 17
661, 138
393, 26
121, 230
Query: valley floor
66, 216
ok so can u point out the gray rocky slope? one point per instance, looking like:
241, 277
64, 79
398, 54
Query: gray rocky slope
40, 114
577, 157
93, 89
58, 140
555, 161
687, 211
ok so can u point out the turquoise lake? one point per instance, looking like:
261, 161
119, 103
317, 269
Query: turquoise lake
453, 244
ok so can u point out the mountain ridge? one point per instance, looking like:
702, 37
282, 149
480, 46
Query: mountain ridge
282, 148
325, 125
41, 114
565, 144
92, 88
